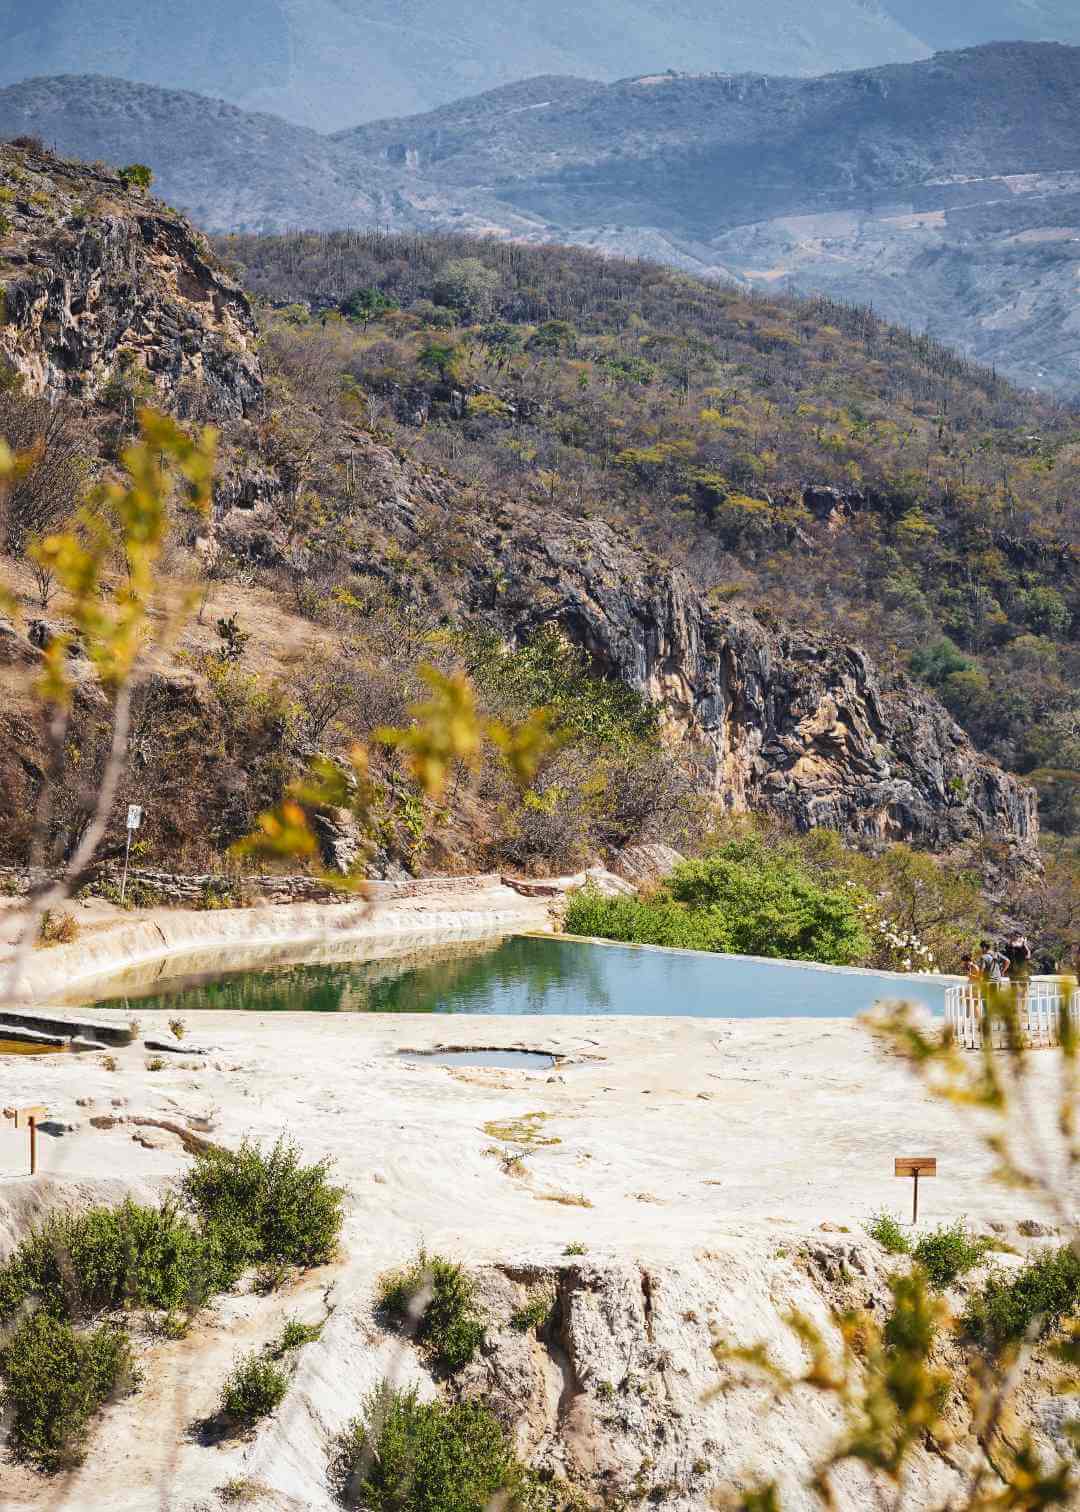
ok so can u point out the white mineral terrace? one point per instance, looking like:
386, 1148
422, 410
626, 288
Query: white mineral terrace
705, 1155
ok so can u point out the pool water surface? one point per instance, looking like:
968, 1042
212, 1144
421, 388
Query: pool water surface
528, 974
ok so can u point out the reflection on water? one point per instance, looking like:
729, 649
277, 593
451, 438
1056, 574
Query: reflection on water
513, 1060
525, 975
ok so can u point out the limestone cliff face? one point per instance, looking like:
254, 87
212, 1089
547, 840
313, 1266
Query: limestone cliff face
806, 727
102, 284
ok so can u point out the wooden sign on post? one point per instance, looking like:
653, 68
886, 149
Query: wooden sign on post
134, 821
28, 1118
915, 1166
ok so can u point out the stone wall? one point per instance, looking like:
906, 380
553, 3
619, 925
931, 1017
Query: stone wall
212, 890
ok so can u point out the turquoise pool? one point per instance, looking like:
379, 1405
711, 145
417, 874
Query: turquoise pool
533, 974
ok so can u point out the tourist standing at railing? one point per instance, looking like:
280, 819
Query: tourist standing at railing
993, 965
1019, 953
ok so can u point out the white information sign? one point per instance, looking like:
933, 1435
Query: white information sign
134, 819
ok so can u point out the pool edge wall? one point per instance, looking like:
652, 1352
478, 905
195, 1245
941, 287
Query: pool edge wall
54, 974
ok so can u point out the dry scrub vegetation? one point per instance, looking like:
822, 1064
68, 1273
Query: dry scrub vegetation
799, 454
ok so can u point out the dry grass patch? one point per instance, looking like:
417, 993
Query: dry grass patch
526, 1130
565, 1199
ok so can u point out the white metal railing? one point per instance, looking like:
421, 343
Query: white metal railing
1040, 1003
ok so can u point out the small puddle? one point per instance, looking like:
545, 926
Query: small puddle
514, 1060
20, 1047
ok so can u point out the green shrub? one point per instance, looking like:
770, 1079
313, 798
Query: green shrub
1004, 1309
405, 1455
239, 1490
293, 1336
910, 1329
267, 1206
772, 905
640, 922
552, 673
884, 1229
534, 1312
253, 1388
77, 1265
251, 1208
136, 176
745, 898
449, 1327
947, 1252
54, 1381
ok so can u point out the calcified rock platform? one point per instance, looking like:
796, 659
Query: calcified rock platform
716, 1174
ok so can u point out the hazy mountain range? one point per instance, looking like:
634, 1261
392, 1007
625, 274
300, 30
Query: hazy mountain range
945, 192
333, 63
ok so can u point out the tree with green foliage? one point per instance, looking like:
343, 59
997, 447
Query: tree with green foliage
442, 358
136, 176
467, 285
367, 304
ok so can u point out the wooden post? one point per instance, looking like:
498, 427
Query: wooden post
915, 1166
27, 1118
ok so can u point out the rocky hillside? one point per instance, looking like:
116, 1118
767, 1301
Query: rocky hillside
801, 456
135, 306
800, 726
944, 193
221, 165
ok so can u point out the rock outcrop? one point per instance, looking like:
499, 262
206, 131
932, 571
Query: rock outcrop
805, 727
99, 285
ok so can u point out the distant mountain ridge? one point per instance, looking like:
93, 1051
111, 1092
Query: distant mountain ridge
944, 192
331, 63
698, 152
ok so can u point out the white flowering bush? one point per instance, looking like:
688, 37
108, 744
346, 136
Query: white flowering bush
893, 948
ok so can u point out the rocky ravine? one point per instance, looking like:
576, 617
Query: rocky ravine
104, 285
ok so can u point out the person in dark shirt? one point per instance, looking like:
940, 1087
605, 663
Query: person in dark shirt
1019, 953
